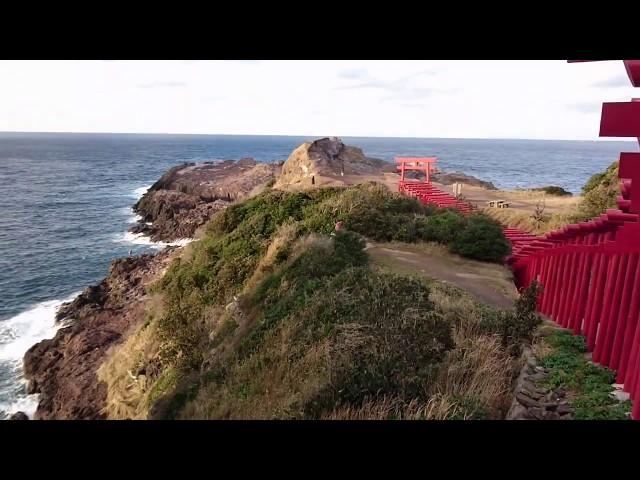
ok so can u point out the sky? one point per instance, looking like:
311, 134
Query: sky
429, 99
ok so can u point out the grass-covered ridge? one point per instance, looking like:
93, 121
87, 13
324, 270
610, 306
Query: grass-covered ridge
274, 315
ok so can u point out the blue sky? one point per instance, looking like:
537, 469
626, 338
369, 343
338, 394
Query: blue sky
460, 99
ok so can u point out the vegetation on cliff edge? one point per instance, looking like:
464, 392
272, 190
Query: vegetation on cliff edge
273, 315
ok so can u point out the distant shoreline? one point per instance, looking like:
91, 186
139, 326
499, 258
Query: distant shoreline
597, 140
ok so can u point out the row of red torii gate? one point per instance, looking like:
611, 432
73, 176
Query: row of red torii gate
589, 271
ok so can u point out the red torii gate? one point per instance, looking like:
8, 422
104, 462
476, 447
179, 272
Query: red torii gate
421, 164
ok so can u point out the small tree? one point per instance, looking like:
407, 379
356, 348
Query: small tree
539, 216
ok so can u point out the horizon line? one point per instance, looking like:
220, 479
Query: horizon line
597, 139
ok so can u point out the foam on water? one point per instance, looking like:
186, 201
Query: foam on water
139, 192
17, 335
141, 239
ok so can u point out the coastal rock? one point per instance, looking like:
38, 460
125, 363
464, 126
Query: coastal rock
326, 157
448, 178
188, 195
19, 416
564, 409
63, 369
526, 400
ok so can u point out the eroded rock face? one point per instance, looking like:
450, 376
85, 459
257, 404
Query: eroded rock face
327, 157
63, 369
448, 178
187, 195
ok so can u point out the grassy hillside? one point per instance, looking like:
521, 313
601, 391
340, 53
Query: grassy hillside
273, 315
599, 194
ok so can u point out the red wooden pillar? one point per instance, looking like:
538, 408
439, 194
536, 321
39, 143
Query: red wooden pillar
626, 310
632, 370
545, 279
572, 277
593, 318
576, 311
612, 292
548, 286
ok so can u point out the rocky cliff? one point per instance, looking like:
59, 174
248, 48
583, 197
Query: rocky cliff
186, 196
448, 178
63, 369
326, 157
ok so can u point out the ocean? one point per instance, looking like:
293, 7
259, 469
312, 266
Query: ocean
67, 204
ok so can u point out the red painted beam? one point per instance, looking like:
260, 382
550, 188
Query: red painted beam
620, 119
629, 172
633, 70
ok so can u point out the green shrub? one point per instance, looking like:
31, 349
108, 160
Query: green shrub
599, 193
443, 227
553, 190
481, 238
515, 325
382, 332
237, 238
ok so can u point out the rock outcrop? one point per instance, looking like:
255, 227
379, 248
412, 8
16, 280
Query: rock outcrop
326, 157
449, 178
19, 416
186, 196
63, 369
533, 402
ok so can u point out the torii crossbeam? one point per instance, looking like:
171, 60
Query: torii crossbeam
421, 164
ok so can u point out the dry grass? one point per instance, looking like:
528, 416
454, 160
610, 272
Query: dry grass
478, 367
524, 221
477, 371
455, 304
128, 392
281, 390
278, 392
285, 235
387, 408
540, 348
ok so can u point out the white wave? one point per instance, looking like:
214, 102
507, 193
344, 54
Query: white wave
17, 335
22, 403
141, 239
135, 218
139, 192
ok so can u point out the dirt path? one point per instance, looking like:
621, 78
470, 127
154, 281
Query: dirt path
489, 283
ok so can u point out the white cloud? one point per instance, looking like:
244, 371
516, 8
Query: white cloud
590, 107
475, 99
620, 80
163, 85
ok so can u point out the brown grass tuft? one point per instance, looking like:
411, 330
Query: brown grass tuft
127, 390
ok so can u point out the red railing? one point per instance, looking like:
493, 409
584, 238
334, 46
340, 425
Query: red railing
590, 271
